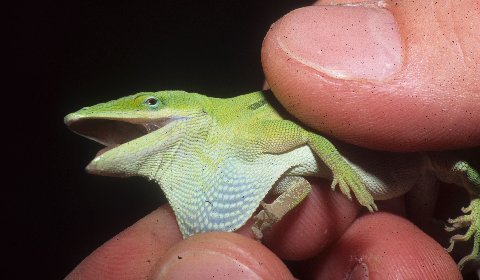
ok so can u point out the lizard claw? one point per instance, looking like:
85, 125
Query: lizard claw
465, 210
334, 184
344, 188
350, 181
259, 226
264, 220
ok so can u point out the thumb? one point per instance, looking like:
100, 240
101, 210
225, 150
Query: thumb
220, 255
395, 75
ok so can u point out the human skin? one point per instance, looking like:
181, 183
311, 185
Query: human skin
403, 78
329, 236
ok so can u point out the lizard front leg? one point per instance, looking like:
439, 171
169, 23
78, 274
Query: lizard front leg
285, 135
292, 190
344, 174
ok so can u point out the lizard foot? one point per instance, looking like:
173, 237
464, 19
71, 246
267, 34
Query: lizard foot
351, 181
264, 220
292, 190
471, 219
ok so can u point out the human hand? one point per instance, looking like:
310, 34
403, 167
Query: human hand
153, 248
374, 245
403, 78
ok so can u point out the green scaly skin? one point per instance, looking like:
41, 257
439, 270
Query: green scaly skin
216, 159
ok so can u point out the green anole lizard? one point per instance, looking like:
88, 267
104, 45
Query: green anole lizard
216, 160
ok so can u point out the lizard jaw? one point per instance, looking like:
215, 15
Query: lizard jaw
114, 132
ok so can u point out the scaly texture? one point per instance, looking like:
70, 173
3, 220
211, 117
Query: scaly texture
216, 159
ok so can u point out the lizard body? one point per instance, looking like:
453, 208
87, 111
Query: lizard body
216, 160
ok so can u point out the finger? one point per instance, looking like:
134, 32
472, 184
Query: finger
132, 253
220, 255
318, 221
404, 77
340, 2
382, 246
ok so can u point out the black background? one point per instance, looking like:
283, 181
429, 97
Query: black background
63, 56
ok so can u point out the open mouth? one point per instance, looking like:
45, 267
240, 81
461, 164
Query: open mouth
114, 132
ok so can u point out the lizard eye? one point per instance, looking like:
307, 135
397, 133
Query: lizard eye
152, 102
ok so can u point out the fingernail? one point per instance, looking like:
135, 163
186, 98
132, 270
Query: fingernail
205, 264
343, 42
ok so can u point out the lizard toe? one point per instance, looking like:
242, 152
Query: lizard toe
472, 221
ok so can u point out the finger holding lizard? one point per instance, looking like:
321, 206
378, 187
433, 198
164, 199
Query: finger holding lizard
389, 75
383, 90
153, 248
308, 85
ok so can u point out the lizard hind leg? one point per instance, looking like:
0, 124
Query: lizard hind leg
471, 219
292, 190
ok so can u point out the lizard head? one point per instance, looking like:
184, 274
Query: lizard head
121, 125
